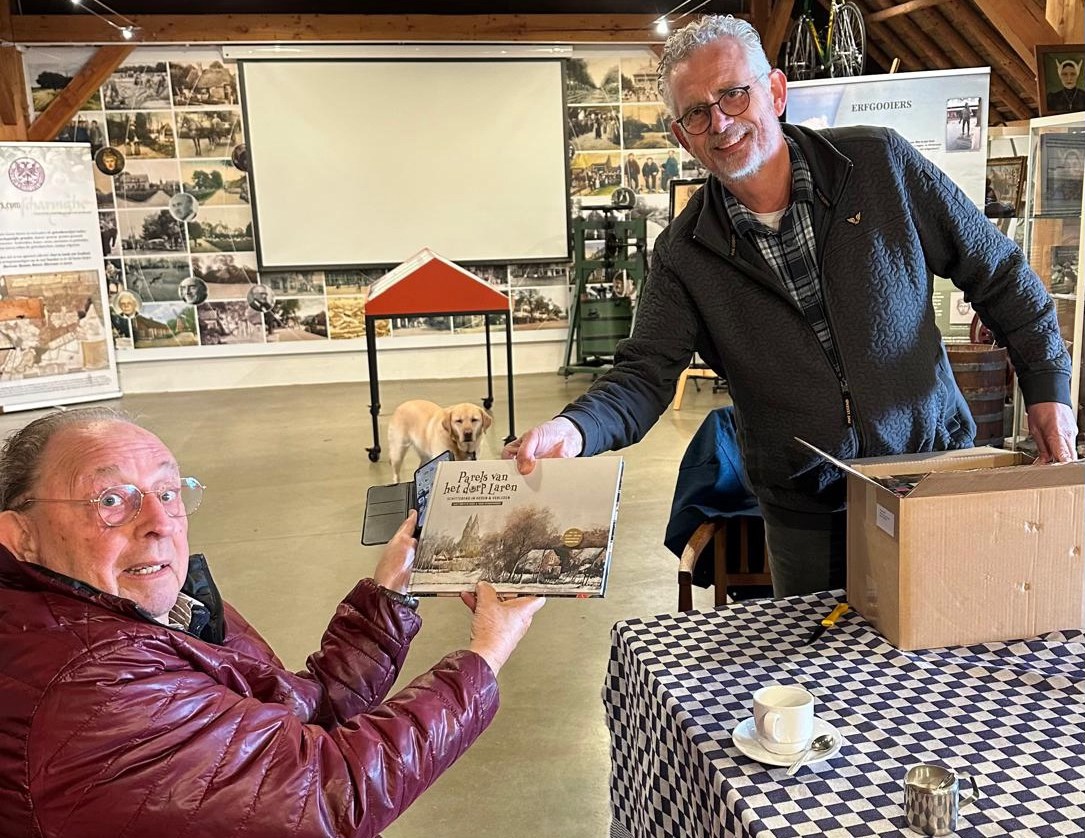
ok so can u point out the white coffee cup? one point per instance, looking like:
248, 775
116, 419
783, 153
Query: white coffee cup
784, 718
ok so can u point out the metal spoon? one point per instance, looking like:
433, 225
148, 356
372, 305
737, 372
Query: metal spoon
819, 745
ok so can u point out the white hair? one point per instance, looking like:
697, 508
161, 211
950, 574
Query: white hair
707, 30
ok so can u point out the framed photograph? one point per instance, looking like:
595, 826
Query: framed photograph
1062, 171
1060, 82
1005, 191
682, 190
1063, 269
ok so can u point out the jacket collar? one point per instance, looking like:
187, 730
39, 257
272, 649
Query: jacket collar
829, 168
27, 576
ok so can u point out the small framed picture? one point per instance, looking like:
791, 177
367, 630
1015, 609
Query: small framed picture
682, 190
1060, 81
1063, 268
1005, 190
1062, 171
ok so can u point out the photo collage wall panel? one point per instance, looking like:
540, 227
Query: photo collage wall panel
619, 134
166, 132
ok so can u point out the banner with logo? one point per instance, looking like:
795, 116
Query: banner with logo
55, 334
942, 113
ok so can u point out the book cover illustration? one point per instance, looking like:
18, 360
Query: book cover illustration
549, 532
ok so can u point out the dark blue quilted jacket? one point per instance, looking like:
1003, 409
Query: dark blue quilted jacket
885, 219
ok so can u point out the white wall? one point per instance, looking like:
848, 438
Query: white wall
160, 376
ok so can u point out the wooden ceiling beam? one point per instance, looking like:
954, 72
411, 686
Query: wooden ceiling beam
1067, 17
5, 21
91, 76
1004, 62
1023, 25
185, 29
929, 57
13, 106
760, 13
894, 47
878, 54
907, 29
901, 9
775, 31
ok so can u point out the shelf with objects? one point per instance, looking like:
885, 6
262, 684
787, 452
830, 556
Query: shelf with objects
1054, 242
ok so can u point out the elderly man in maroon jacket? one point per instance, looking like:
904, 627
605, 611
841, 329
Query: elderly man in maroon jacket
134, 701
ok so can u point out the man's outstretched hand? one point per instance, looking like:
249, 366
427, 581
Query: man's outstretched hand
557, 438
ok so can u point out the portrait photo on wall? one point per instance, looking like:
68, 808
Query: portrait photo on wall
1004, 195
1059, 78
682, 190
1062, 170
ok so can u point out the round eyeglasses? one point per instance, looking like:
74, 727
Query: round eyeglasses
118, 505
732, 102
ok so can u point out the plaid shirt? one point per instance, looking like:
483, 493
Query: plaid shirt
791, 252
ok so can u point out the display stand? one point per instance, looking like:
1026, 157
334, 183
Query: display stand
427, 285
1054, 240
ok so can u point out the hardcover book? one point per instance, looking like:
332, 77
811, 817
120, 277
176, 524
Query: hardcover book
549, 532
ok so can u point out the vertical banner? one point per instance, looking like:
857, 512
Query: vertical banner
943, 114
55, 336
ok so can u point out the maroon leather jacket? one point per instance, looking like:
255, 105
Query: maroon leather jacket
112, 724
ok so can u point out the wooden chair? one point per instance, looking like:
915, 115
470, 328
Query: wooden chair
734, 566
696, 369
715, 527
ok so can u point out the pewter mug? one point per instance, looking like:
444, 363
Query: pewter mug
932, 799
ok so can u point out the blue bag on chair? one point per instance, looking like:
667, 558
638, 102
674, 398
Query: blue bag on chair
711, 485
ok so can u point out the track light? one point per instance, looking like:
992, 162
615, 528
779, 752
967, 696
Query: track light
663, 23
128, 30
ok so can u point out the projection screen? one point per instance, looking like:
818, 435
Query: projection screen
365, 162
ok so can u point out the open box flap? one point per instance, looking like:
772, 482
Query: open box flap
942, 464
1012, 478
840, 464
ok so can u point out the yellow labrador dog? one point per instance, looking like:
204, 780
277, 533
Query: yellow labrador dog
430, 429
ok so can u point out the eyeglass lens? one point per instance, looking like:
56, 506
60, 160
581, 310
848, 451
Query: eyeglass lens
733, 102
120, 504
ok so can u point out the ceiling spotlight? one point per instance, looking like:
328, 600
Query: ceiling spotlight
662, 27
127, 32
76, 2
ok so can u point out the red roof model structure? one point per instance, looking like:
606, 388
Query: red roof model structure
430, 284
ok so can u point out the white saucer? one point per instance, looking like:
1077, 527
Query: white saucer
745, 738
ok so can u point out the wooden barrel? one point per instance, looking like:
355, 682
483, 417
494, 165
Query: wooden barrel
980, 371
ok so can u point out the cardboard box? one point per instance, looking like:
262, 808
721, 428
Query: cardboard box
974, 546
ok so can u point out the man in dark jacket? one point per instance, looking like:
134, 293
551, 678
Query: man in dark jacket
802, 271
134, 700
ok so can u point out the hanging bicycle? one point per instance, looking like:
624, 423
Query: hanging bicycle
842, 52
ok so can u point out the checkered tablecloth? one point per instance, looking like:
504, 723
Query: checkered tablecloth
1012, 715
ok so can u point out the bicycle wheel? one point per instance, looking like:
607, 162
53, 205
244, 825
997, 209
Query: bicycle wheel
801, 60
847, 52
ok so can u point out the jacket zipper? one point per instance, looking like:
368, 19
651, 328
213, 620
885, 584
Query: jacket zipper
851, 417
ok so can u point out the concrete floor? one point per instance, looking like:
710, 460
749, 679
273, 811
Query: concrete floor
287, 472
